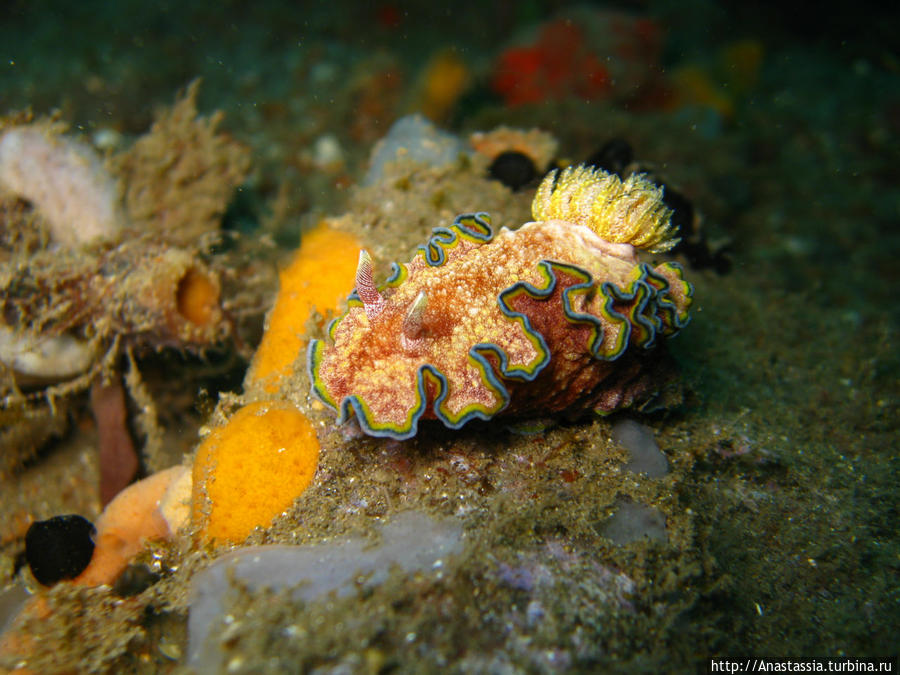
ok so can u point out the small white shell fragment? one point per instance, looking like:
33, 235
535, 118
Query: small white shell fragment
54, 358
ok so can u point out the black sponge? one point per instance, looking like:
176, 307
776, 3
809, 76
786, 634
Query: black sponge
59, 548
513, 169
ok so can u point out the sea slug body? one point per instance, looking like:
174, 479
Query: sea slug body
558, 316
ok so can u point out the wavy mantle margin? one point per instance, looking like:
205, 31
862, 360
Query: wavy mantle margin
651, 311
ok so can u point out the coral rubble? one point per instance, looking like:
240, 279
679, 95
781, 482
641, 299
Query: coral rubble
88, 276
64, 180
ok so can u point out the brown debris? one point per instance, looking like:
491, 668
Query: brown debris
24, 429
118, 459
180, 176
155, 286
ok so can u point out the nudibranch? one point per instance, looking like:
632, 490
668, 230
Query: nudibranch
558, 316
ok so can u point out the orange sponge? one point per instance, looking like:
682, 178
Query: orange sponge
128, 522
320, 277
252, 469
197, 297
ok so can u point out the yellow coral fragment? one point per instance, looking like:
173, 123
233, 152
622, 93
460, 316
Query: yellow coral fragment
444, 81
693, 86
320, 277
620, 212
252, 469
